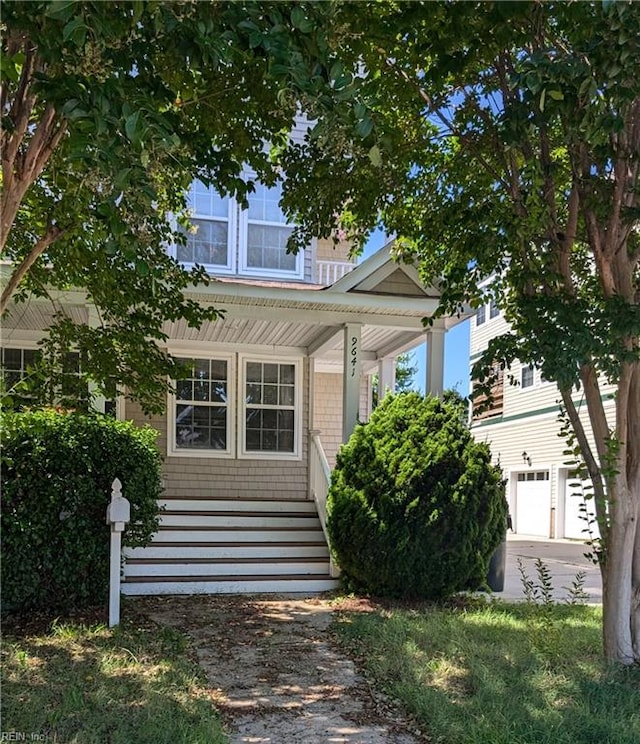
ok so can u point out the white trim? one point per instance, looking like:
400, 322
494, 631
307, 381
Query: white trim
261, 271
229, 452
232, 208
180, 347
242, 452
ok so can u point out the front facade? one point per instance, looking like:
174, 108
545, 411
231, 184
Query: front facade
274, 388
522, 428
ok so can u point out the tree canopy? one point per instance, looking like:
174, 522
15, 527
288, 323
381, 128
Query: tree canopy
502, 140
494, 139
109, 111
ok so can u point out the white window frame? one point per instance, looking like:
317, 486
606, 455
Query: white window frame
533, 376
243, 453
232, 229
481, 315
172, 449
243, 239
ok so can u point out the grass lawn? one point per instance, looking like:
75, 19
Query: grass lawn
86, 684
498, 673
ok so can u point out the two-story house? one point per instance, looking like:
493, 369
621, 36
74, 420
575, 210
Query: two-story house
276, 385
522, 427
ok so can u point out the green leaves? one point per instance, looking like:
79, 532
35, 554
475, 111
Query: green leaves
415, 506
55, 541
300, 20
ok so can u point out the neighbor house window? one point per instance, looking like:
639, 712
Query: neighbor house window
271, 408
494, 310
202, 420
481, 315
526, 377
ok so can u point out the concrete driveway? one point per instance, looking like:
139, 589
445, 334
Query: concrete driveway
564, 558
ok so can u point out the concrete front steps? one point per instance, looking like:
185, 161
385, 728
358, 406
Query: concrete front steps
231, 546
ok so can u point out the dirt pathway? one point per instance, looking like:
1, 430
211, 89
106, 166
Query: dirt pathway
279, 679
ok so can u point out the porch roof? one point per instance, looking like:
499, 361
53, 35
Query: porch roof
386, 298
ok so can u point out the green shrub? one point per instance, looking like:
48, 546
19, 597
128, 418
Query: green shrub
56, 483
415, 506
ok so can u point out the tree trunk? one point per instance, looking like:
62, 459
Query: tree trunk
635, 589
620, 600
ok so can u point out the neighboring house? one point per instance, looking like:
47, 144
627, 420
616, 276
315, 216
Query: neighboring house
275, 387
523, 429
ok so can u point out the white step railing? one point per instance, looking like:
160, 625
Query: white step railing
319, 480
328, 272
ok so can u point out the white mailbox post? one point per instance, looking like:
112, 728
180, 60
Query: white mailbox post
118, 514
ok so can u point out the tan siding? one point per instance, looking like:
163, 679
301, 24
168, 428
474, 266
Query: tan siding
200, 477
481, 334
326, 251
400, 284
328, 412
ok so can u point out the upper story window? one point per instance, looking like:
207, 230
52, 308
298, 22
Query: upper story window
526, 376
210, 243
481, 315
266, 235
494, 310
227, 239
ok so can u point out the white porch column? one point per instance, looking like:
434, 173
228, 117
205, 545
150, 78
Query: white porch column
351, 378
386, 376
435, 360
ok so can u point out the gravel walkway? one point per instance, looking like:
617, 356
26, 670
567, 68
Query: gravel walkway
277, 676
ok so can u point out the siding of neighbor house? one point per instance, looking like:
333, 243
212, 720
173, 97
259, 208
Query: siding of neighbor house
525, 437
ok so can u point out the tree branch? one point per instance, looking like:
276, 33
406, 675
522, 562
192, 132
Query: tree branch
44, 142
590, 461
448, 124
52, 234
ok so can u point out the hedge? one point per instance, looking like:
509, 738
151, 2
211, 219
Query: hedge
57, 472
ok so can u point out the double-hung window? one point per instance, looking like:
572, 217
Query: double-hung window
263, 236
256, 414
526, 376
202, 421
16, 364
210, 241
271, 406
227, 239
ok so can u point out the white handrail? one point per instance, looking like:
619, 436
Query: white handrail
319, 480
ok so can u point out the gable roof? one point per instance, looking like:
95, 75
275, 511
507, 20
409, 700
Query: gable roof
382, 275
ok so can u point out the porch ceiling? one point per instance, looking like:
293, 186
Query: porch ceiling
34, 315
324, 342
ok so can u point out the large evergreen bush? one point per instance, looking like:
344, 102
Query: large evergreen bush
415, 506
57, 471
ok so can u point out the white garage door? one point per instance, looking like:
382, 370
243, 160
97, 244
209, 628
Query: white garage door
533, 503
574, 509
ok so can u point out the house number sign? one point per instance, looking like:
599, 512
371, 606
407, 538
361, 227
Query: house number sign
354, 355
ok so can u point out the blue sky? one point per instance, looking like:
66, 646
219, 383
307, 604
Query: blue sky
456, 347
